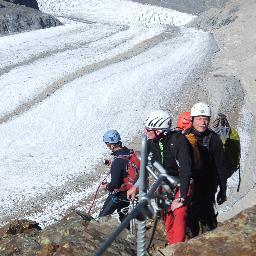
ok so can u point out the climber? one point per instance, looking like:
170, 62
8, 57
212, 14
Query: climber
119, 184
184, 121
171, 149
211, 174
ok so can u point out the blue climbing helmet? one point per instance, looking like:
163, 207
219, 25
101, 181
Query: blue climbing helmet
111, 137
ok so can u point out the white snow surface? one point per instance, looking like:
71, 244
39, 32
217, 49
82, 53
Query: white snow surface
76, 46
51, 143
115, 12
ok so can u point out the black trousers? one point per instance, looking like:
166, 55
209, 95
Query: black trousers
201, 212
115, 202
201, 217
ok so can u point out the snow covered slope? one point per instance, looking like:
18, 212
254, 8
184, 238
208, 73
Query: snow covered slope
114, 12
64, 86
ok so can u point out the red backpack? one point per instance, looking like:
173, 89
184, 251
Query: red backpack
133, 168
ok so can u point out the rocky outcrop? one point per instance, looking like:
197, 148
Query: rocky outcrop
235, 237
18, 18
188, 6
29, 3
231, 87
216, 18
72, 236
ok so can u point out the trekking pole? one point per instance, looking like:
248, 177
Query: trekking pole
96, 193
143, 190
87, 216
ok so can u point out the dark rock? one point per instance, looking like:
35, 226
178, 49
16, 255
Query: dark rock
22, 226
71, 236
235, 237
18, 18
29, 3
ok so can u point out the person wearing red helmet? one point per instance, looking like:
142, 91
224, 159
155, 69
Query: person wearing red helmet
184, 121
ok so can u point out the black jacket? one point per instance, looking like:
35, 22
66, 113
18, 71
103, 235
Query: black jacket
118, 169
214, 170
175, 157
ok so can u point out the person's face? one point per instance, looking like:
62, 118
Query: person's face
152, 134
201, 123
110, 146
185, 122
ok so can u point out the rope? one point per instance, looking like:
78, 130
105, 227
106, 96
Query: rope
96, 193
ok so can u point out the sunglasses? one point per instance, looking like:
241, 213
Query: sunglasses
149, 130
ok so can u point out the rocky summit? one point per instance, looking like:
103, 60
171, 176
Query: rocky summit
20, 16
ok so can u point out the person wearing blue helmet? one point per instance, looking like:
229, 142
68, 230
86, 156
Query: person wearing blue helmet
117, 198
112, 137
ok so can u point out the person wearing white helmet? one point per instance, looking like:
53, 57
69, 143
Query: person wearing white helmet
200, 109
158, 122
171, 149
211, 173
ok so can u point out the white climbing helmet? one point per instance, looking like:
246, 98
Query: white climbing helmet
200, 109
158, 120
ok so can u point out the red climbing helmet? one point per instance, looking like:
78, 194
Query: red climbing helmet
184, 121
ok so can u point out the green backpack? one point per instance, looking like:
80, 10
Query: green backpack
231, 143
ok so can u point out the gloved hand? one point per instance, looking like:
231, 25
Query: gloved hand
221, 197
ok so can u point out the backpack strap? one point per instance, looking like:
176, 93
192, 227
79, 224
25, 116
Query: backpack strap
126, 157
171, 143
167, 147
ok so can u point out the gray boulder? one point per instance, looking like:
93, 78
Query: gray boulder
18, 18
29, 3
